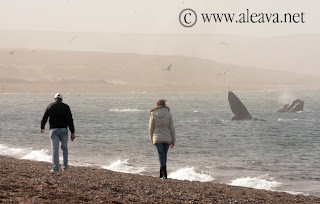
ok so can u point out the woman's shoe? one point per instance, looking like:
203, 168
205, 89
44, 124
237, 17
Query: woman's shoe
161, 173
164, 168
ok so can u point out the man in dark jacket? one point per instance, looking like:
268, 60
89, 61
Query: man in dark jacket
60, 118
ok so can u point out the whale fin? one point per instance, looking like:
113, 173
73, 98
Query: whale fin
238, 108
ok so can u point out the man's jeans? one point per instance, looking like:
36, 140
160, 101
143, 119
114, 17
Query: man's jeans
56, 135
162, 152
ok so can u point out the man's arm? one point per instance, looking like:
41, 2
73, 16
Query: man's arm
44, 119
70, 123
70, 120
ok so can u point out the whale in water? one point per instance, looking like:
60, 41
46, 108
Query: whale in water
239, 109
294, 106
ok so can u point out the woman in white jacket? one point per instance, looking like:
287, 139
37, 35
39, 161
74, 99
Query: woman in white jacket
162, 133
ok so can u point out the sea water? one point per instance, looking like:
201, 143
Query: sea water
280, 154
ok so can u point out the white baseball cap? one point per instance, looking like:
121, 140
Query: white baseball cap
58, 95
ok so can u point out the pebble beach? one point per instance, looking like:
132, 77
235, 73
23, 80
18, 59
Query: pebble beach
24, 181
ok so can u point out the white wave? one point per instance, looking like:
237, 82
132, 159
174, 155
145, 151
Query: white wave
123, 110
9, 151
188, 121
284, 120
34, 155
138, 92
117, 82
28, 154
191, 175
260, 182
38, 155
195, 111
15, 93
124, 166
297, 193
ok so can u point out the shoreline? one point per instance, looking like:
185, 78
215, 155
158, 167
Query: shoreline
31, 182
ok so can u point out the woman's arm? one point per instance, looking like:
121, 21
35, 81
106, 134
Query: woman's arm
173, 132
151, 127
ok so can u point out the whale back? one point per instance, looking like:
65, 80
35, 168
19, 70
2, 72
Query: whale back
296, 105
237, 106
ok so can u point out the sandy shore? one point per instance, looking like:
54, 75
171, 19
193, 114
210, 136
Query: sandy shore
25, 181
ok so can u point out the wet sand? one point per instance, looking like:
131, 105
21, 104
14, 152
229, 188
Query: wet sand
25, 181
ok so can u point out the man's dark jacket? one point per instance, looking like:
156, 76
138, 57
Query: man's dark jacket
59, 115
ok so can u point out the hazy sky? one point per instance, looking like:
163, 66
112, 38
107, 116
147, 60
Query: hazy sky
150, 16
152, 27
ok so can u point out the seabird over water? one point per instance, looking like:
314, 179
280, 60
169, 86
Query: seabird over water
223, 43
169, 68
224, 73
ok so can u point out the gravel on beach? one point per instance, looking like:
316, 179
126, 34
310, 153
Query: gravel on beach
24, 181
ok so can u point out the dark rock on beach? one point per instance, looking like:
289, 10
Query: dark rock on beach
23, 181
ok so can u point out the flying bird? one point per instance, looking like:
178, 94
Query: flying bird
11, 53
223, 43
169, 68
73, 38
224, 73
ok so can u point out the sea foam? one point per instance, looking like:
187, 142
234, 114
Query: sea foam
123, 110
9, 151
38, 155
124, 166
190, 174
28, 154
260, 182
287, 119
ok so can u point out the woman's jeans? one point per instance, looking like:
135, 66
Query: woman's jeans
59, 135
162, 152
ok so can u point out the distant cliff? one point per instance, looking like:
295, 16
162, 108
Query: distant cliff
77, 71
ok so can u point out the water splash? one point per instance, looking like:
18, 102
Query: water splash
124, 166
191, 175
260, 182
